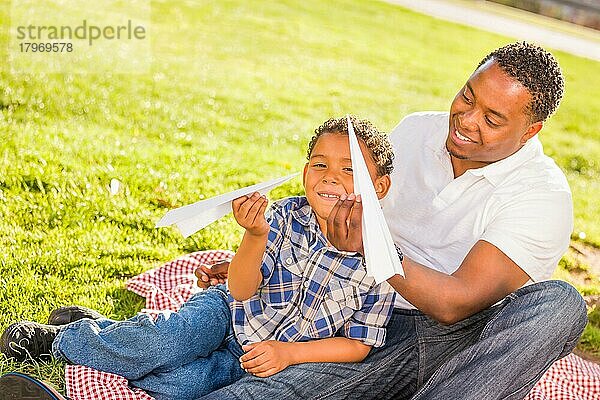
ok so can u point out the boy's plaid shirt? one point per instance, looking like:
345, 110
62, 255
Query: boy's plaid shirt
311, 290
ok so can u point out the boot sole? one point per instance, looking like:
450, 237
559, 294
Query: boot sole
16, 386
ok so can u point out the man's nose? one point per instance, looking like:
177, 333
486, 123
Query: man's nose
468, 120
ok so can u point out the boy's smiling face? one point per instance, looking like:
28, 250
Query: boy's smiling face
328, 174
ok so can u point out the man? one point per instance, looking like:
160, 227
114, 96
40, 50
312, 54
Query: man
482, 217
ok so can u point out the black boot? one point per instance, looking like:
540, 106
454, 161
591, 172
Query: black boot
28, 340
68, 314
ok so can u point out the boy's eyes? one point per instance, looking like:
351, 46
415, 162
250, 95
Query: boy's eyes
323, 165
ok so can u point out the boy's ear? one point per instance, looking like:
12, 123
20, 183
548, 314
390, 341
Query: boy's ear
382, 186
304, 174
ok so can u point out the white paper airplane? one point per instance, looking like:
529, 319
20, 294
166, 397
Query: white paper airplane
193, 217
381, 257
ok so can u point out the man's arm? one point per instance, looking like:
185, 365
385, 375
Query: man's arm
244, 270
264, 359
485, 276
212, 274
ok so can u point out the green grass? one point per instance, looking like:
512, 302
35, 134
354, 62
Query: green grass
234, 92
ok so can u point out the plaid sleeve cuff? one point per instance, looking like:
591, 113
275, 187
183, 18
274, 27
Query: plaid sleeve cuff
369, 335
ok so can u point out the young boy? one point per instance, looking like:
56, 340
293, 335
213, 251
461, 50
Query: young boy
293, 298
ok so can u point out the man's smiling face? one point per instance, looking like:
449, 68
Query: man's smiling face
489, 119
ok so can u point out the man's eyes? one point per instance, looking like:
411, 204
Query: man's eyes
467, 100
347, 169
319, 165
491, 123
465, 97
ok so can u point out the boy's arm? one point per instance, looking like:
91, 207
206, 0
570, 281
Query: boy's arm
244, 270
264, 359
365, 329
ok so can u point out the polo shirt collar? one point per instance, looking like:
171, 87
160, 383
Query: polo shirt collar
496, 172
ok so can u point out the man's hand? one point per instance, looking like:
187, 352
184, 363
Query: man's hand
344, 225
249, 212
211, 275
267, 358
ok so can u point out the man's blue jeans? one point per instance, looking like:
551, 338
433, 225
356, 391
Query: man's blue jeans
499, 353
180, 356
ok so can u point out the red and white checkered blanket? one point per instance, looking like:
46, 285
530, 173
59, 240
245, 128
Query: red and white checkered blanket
169, 286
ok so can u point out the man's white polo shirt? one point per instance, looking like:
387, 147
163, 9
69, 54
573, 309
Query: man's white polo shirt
521, 204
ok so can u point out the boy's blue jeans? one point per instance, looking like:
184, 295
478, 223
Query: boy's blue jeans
180, 356
498, 353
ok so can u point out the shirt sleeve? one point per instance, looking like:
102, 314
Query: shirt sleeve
534, 231
276, 218
368, 323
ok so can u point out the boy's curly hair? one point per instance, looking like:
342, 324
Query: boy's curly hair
377, 142
537, 70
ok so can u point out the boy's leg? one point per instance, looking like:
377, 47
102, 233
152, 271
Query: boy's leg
140, 345
195, 379
532, 328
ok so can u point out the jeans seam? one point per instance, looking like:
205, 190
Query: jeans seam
427, 384
421, 355
485, 332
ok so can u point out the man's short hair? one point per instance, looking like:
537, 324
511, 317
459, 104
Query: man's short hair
537, 70
378, 143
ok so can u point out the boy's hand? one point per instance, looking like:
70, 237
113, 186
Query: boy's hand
249, 212
267, 358
211, 275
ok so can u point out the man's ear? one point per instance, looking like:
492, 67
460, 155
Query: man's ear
532, 131
382, 186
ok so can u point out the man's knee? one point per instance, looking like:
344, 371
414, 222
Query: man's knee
571, 310
567, 303
561, 311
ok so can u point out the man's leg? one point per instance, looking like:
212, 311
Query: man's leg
392, 367
501, 349
532, 328
139, 346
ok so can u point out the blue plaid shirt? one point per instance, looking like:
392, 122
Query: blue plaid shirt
310, 290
